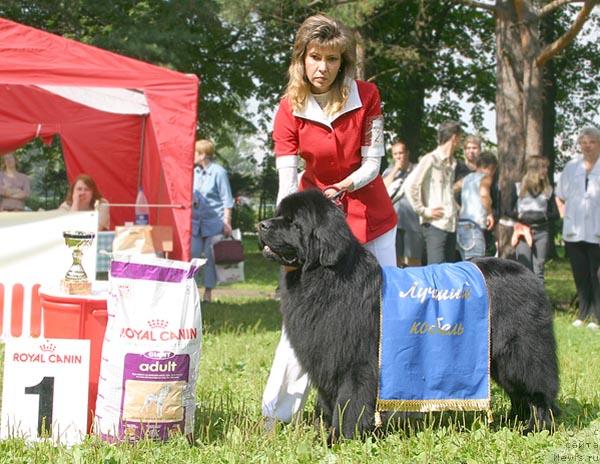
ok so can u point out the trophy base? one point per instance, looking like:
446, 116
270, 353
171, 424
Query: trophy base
76, 287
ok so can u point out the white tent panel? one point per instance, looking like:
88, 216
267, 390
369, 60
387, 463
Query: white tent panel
107, 99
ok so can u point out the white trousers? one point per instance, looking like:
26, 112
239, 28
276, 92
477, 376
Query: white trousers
288, 384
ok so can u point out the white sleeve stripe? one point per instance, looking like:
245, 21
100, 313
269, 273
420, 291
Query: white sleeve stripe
286, 161
288, 181
372, 152
373, 138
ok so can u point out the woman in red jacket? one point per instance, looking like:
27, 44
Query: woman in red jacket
334, 123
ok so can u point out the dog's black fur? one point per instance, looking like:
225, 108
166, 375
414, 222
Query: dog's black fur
330, 306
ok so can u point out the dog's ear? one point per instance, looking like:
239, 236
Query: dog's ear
332, 247
328, 242
310, 252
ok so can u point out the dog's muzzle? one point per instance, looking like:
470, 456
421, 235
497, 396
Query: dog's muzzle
263, 228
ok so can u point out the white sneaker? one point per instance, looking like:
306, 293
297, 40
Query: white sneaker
593, 326
577, 323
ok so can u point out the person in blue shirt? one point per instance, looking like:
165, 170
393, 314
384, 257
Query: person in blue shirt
211, 210
476, 214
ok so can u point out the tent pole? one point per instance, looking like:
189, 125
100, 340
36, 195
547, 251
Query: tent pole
160, 190
142, 139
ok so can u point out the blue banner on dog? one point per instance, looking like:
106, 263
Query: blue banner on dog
434, 351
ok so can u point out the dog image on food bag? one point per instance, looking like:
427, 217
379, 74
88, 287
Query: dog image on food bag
330, 301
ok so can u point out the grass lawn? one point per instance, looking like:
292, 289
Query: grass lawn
240, 336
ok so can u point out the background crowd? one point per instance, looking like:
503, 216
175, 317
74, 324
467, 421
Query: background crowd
459, 210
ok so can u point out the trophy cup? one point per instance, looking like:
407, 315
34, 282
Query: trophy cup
76, 280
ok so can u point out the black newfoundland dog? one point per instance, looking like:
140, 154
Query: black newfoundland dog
330, 306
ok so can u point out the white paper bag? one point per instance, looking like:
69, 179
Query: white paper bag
229, 273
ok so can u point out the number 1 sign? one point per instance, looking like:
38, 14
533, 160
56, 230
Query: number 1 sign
45, 389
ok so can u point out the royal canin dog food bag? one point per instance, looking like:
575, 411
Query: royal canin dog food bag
151, 349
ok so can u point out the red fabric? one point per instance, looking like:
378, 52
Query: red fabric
104, 145
332, 155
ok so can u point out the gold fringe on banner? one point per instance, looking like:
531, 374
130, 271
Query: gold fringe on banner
433, 405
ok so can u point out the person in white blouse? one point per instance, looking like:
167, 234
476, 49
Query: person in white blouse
578, 201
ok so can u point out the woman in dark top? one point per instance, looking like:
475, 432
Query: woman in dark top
534, 208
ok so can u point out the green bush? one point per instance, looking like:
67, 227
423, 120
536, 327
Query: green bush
244, 218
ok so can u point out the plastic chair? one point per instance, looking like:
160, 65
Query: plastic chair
20, 310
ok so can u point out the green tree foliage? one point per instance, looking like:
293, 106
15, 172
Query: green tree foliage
271, 24
46, 169
268, 188
418, 49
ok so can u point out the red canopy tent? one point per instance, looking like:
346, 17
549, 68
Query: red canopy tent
120, 120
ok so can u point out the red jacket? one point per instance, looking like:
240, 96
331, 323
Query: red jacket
331, 148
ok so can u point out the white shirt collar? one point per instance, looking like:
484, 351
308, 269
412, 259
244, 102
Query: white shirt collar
314, 112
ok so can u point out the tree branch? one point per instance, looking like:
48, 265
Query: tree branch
385, 71
559, 44
335, 2
554, 4
477, 4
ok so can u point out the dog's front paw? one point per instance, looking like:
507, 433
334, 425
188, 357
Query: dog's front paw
332, 437
321, 424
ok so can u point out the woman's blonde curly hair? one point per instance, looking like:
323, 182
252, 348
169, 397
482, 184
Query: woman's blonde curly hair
324, 32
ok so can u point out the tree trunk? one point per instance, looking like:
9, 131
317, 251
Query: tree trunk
528, 25
550, 89
518, 98
411, 127
360, 56
509, 101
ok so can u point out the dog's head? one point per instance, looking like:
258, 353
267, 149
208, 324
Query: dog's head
308, 231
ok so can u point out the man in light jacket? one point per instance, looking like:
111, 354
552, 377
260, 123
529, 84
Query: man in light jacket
429, 190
